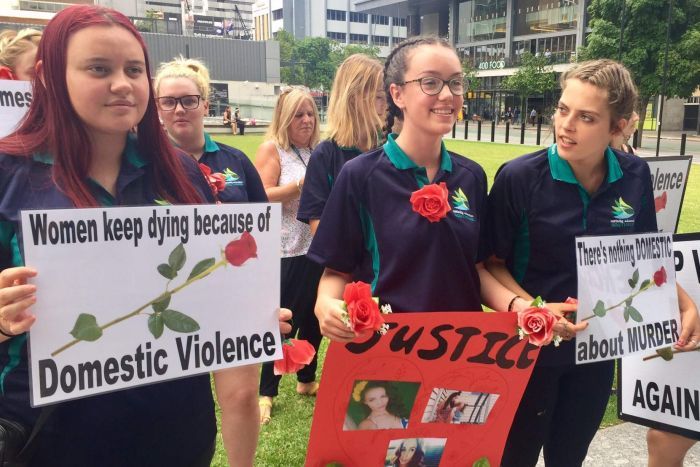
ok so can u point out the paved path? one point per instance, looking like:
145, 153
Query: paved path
625, 445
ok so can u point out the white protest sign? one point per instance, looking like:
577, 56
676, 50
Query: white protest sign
627, 293
131, 296
664, 392
15, 97
669, 176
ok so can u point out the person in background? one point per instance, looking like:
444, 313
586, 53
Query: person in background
18, 54
355, 116
240, 123
228, 119
182, 94
281, 161
620, 140
667, 449
75, 149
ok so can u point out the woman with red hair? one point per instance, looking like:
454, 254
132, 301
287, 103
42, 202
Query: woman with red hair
76, 148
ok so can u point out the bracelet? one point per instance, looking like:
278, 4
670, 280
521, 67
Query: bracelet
2, 331
512, 302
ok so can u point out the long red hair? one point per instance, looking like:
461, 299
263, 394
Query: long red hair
53, 126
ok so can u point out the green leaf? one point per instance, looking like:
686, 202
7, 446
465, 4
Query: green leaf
628, 302
155, 324
86, 328
201, 267
161, 303
177, 258
631, 283
538, 302
645, 284
626, 314
635, 314
599, 309
635, 277
482, 462
179, 322
166, 271
666, 353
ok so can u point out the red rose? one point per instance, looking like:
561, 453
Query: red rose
538, 324
660, 277
239, 251
363, 310
217, 181
296, 354
431, 201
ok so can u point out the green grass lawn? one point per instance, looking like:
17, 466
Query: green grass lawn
283, 442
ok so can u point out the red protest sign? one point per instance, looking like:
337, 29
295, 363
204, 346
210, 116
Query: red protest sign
441, 388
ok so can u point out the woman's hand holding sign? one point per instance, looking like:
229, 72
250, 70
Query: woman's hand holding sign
16, 296
690, 322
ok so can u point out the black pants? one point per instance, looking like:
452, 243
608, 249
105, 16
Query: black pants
241, 128
561, 410
300, 278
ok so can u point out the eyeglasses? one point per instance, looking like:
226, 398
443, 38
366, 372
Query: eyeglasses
433, 86
189, 102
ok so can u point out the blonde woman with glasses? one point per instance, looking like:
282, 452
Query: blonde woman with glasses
355, 116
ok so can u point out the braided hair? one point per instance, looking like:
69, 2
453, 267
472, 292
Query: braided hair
395, 67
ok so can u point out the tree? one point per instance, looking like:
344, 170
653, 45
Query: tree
473, 82
534, 77
644, 42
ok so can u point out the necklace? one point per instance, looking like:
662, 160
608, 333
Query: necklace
298, 153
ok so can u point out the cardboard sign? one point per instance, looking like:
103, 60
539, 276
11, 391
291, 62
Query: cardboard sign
627, 293
15, 97
132, 296
669, 176
443, 386
664, 392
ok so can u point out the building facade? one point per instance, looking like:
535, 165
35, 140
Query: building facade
335, 19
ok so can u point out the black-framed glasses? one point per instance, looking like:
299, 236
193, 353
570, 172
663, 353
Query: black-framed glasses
188, 102
432, 86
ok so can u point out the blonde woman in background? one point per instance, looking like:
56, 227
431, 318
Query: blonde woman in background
182, 95
355, 116
18, 54
281, 161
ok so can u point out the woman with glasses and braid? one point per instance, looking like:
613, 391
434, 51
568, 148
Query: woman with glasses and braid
182, 90
407, 217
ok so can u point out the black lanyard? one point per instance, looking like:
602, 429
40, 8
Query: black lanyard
296, 151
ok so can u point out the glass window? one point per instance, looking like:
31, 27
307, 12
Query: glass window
400, 22
380, 40
358, 17
541, 16
335, 15
481, 20
336, 36
358, 38
380, 19
277, 14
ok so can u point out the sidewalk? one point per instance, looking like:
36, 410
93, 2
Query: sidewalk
625, 445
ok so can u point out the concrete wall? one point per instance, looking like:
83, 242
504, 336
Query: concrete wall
673, 114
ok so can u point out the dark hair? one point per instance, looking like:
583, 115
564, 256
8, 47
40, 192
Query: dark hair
395, 405
418, 456
53, 126
449, 402
396, 65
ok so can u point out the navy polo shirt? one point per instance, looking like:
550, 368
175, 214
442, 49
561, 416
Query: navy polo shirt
537, 208
166, 424
369, 230
324, 166
243, 184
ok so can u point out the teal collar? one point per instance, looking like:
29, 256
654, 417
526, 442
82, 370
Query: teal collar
402, 162
209, 144
561, 170
131, 154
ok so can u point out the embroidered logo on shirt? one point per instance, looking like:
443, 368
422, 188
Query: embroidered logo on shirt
232, 178
460, 206
623, 214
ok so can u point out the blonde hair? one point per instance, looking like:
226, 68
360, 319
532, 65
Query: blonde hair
286, 108
182, 67
612, 77
13, 44
352, 118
